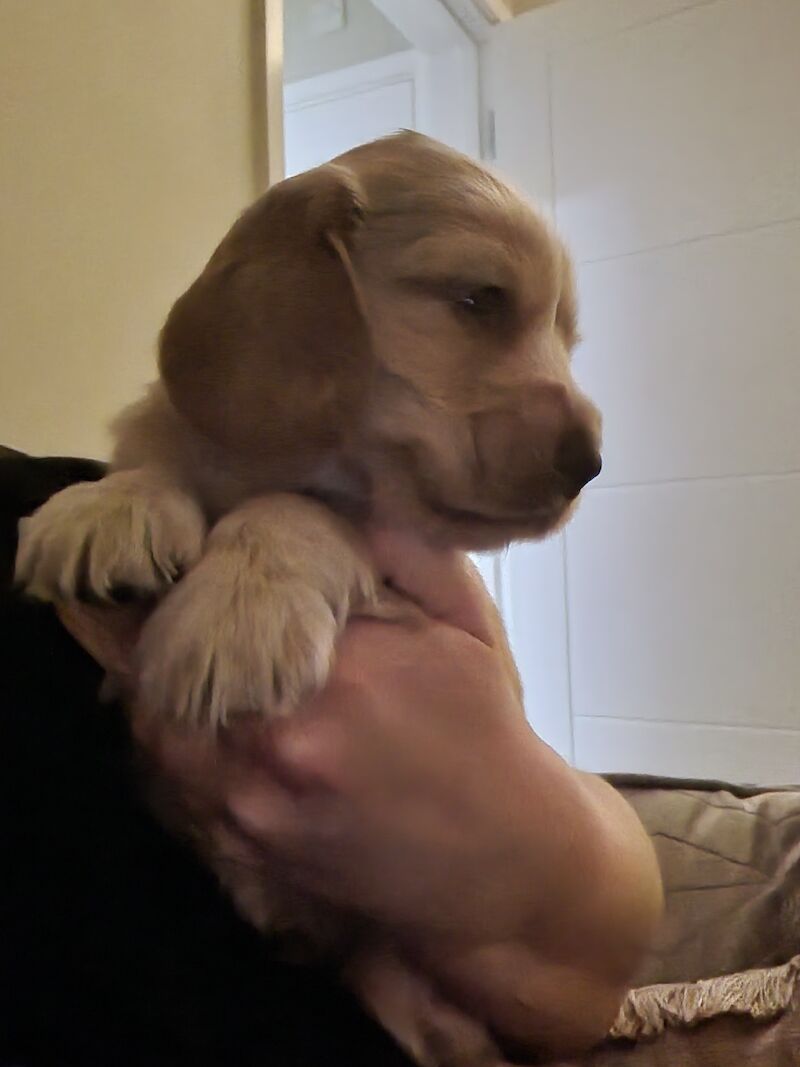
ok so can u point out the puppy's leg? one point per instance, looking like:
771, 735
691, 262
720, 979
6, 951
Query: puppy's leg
252, 627
132, 533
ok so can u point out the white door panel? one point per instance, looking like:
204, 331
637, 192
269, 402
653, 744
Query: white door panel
321, 129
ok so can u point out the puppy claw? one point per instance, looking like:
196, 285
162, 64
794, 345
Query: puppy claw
120, 539
216, 649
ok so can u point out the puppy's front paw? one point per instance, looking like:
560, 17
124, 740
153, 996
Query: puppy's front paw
221, 645
125, 535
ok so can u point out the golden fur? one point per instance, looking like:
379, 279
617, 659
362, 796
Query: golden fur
385, 340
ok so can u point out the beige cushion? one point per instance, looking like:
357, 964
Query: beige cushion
730, 858
730, 862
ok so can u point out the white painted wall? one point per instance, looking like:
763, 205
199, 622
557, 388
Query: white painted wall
662, 632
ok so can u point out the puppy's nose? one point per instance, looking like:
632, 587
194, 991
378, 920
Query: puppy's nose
577, 461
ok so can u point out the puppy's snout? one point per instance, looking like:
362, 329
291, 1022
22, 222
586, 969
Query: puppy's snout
577, 460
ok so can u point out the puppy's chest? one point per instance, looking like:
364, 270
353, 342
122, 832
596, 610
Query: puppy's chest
343, 487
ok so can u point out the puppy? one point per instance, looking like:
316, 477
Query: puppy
384, 339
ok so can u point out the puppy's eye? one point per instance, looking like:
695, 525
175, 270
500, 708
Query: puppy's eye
485, 300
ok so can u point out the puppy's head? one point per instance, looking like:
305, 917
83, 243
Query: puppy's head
402, 313
476, 426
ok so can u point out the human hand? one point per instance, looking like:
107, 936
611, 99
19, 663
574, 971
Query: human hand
392, 790
412, 790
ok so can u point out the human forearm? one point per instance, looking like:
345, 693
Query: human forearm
588, 916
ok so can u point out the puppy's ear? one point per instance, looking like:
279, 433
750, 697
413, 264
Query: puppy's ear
268, 352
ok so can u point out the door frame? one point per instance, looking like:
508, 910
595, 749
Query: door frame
266, 28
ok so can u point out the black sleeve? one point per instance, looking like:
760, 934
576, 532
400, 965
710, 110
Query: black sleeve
116, 947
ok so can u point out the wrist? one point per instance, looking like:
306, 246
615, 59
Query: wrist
579, 883
532, 1004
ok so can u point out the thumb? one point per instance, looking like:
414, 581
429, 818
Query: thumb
443, 582
109, 634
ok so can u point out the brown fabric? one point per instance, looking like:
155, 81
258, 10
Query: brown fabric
727, 1041
763, 993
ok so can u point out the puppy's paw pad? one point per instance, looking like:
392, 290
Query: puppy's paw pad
113, 540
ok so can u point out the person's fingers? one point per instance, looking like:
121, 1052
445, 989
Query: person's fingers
267, 814
444, 583
306, 751
192, 759
109, 634
221, 777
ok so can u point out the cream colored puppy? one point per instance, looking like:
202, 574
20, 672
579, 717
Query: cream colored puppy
384, 339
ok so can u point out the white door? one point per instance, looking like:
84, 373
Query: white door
430, 84
326, 115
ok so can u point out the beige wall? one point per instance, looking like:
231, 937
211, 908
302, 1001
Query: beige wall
129, 142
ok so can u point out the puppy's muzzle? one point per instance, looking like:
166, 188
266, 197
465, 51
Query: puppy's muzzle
577, 460
543, 447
